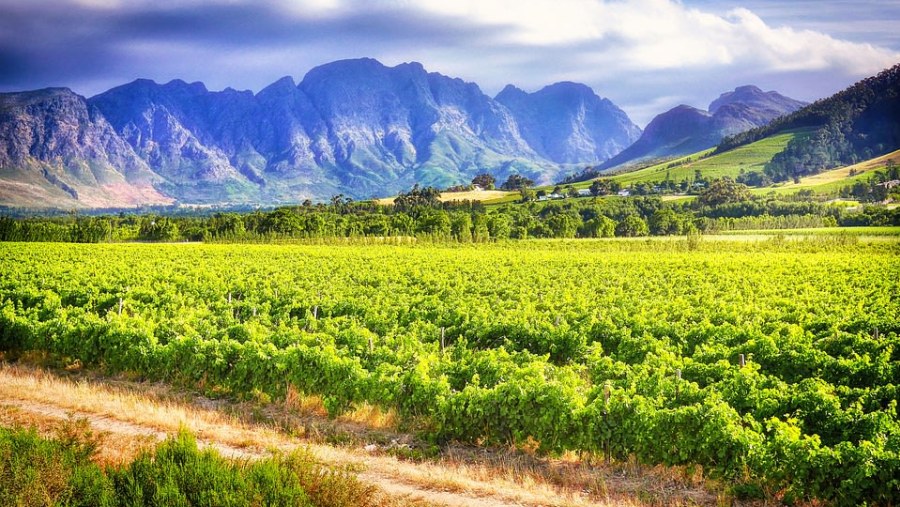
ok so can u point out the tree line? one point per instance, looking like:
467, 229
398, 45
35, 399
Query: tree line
420, 214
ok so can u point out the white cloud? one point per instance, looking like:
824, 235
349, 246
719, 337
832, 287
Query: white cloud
659, 34
784, 49
642, 54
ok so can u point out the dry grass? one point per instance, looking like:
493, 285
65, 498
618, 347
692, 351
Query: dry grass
134, 412
842, 173
110, 451
471, 195
370, 416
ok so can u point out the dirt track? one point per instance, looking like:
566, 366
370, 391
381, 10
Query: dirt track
121, 429
28, 394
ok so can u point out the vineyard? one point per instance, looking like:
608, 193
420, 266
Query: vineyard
773, 365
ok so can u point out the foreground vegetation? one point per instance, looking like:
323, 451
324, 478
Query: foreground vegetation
772, 365
36, 471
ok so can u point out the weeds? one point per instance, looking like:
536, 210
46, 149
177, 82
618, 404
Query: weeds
35, 471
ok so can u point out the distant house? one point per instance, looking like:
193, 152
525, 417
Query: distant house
624, 193
889, 184
477, 188
554, 196
584, 192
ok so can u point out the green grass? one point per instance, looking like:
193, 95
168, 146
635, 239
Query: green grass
750, 158
830, 188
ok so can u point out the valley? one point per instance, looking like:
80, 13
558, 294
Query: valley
479, 253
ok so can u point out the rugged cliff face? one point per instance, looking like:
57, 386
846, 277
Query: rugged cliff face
685, 129
568, 123
354, 127
57, 148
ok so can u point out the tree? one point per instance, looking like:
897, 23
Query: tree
599, 227
435, 222
723, 191
90, 230
481, 228
485, 181
500, 226
461, 226
632, 226
527, 194
227, 225
282, 221
517, 182
417, 197
599, 187
698, 178
403, 224
755, 178
562, 225
665, 221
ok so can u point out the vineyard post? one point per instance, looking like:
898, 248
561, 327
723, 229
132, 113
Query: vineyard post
605, 422
229, 297
743, 361
120, 306
677, 383
371, 345
442, 339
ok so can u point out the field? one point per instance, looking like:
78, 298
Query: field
835, 179
470, 195
771, 365
749, 158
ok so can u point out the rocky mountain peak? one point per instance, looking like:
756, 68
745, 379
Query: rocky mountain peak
685, 129
568, 123
355, 127
754, 96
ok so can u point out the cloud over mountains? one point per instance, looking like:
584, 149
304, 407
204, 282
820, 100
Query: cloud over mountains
628, 50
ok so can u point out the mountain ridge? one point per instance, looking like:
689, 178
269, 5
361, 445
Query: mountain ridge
352, 127
685, 129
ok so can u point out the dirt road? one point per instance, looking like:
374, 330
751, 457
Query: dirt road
134, 414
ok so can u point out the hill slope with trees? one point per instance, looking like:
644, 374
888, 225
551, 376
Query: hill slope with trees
858, 123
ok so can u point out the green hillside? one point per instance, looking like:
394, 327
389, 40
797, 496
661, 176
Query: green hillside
858, 123
834, 180
749, 158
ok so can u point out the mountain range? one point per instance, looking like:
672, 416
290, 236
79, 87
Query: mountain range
352, 127
683, 130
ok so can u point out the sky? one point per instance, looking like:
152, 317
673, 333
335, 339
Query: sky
645, 55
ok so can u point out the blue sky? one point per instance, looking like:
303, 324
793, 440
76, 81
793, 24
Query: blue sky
645, 55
